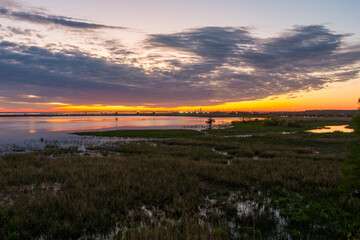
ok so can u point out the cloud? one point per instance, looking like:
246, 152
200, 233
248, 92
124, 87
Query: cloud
298, 47
215, 45
243, 67
19, 31
116, 48
31, 96
72, 75
196, 67
46, 19
212, 43
7, 44
10, 3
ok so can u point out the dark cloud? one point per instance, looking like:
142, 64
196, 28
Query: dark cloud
79, 78
3, 11
212, 43
116, 48
7, 44
298, 47
19, 31
228, 64
42, 18
278, 65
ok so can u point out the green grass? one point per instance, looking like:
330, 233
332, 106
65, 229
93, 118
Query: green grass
61, 194
144, 133
239, 127
284, 126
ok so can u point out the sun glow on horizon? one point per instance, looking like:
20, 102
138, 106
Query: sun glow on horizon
323, 99
268, 105
346, 99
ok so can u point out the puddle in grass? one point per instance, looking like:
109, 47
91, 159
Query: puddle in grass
331, 129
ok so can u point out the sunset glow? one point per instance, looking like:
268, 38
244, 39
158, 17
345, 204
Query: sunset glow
71, 57
187, 119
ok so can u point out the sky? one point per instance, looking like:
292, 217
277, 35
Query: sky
159, 55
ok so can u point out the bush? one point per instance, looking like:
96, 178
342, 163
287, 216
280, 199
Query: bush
351, 170
293, 123
274, 122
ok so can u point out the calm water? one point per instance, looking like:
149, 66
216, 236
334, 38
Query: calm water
35, 133
330, 129
17, 129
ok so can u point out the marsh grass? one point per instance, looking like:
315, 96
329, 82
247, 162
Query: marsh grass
183, 188
144, 133
272, 125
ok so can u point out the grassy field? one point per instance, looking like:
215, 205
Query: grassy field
257, 180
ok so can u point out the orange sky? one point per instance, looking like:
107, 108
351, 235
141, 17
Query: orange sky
214, 59
337, 96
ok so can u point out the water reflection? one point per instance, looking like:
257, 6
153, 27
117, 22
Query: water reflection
330, 129
15, 129
22, 134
